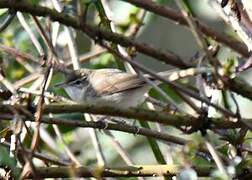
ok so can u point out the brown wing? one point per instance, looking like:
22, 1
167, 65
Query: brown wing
106, 83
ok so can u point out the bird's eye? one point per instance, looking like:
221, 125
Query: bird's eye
78, 82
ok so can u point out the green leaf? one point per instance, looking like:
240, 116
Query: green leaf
6, 160
168, 90
154, 145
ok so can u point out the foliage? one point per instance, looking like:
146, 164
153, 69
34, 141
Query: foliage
202, 119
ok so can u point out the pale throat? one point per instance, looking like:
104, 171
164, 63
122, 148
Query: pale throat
75, 93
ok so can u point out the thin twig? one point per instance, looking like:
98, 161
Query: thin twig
70, 39
96, 142
68, 151
134, 29
17, 53
216, 159
119, 148
7, 20
30, 33
40, 156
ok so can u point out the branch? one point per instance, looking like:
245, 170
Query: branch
174, 15
95, 32
233, 17
240, 87
126, 171
134, 113
123, 127
17, 53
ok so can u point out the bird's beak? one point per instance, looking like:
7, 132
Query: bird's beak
60, 85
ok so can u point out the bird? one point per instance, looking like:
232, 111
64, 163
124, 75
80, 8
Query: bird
113, 86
